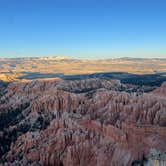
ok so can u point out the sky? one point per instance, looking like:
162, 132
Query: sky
83, 28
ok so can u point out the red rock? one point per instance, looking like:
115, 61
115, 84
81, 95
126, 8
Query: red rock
102, 127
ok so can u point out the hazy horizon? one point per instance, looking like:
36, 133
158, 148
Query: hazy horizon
84, 58
83, 29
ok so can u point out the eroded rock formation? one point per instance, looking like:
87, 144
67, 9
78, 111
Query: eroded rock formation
77, 123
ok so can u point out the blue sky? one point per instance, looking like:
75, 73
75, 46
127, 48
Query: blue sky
83, 28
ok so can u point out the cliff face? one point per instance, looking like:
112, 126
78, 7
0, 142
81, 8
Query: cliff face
89, 122
161, 91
